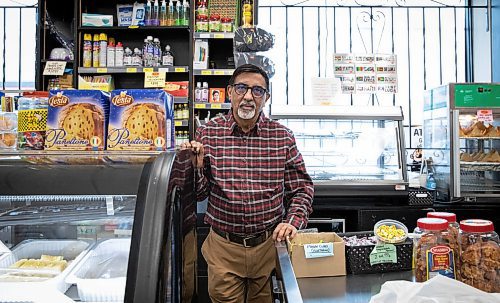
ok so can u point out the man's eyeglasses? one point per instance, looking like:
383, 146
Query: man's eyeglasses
257, 91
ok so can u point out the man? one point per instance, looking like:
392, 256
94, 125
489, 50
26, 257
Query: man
257, 187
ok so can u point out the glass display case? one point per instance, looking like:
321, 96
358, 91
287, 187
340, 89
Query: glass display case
462, 141
349, 151
97, 227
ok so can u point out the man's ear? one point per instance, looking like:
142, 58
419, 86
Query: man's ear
229, 91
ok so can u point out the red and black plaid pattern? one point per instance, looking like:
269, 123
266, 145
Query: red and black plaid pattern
252, 180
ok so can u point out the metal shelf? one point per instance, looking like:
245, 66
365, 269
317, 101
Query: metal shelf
128, 28
215, 35
132, 69
181, 100
200, 105
213, 72
479, 166
481, 138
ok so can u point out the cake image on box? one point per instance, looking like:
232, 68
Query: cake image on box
77, 120
140, 119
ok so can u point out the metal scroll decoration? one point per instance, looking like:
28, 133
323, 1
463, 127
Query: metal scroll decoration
377, 19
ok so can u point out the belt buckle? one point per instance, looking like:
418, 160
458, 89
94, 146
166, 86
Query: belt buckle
245, 243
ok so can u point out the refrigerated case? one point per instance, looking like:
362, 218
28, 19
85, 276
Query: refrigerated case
350, 151
461, 133
124, 224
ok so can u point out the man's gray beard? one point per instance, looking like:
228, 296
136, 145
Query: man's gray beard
247, 115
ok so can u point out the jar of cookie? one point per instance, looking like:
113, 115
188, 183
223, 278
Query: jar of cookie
451, 234
479, 255
433, 254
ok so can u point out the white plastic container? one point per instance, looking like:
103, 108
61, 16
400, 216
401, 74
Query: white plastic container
389, 223
101, 275
72, 250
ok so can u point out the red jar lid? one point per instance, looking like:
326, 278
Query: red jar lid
214, 17
432, 223
476, 226
450, 217
225, 20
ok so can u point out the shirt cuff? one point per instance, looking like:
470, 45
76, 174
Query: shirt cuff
296, 221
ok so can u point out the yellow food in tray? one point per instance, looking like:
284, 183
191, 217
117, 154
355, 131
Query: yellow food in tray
391, 232
46, 262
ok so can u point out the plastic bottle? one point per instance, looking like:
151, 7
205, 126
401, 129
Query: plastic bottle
156, 52
147, 13
168, 58
155, 20
87, 50
148, 60
127, 57
110, 57
431, 182
185, 112
179, 15
119, 55
170, 13
103, 46
163, 13
95, 51
197, 92
137, 57
185, 17
204, 92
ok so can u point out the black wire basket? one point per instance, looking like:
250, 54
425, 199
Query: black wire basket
358, 257
421, 196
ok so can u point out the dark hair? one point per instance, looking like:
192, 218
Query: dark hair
249, 68
215, 91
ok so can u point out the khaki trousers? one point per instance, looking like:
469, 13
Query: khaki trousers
238, 274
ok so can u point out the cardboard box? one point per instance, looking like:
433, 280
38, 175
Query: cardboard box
177, 88
217, 95
317, 267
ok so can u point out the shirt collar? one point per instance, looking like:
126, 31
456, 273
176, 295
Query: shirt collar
232, 126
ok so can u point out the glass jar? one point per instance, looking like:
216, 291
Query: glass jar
226, 25
433, 255
214, 25
479, 255
202, 23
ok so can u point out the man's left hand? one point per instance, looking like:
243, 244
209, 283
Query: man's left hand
284, 230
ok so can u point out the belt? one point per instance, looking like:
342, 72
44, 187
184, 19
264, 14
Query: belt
251, 241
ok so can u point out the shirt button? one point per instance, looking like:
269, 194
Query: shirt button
244, 160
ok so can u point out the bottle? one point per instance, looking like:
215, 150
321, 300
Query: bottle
119, 55
103, 38
95, 51
202, 8
170, 13
150, 52
127, 58
163, 13
247, 13
168, 58
145, 52
197, 92
155, 20
204, 92
147, 13
87, 50
110, 57
185, 18
179, 13
185, 112
137, 57
156, 52
431, 182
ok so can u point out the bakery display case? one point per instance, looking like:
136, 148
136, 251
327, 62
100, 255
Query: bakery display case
350, 151
97, 227
461, 133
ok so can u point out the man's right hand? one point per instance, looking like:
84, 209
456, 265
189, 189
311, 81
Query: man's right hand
198, 152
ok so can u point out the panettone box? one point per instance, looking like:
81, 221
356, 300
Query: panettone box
77, 120
141, 119
317, 255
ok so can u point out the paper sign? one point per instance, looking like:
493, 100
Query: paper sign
154, 79
318, 250
485, 115
54, 68
384, 253
324, 90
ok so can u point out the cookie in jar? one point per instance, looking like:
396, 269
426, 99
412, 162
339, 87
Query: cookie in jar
479, 255
433, 255
451, 234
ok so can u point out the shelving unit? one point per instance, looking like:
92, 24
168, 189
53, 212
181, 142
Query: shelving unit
132, 70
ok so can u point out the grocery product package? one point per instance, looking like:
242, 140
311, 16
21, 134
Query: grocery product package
32, 120
439, 289
77, 120
177, 88
141, 119
124, 14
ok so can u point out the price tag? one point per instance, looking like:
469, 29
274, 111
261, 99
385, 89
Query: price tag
178, 123
102, 70
110, 209
148, 69
154, 79
206, 72
54, 68
219, 72
219, 36
384, 253
204, 36
318, 250
131, 70
180, 70
133, 26
200, 105
485, 115
216, 105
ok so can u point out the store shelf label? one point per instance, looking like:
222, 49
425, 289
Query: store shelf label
206, 72
200, 105
216, 105
180, 69
133, 26
178, 123
110, 209
154, 79
102, 70
384, 253
131, 70
148, 69
54, 68
204, 36
318, 250
219, 72
219, 36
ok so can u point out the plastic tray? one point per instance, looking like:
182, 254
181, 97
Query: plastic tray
72, 250
106, 255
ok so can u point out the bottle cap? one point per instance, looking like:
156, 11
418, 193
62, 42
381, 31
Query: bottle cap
432, 223
167, 48
149, 38
103, 37
450, 217
198, 84
119, 44
156, 40
476, 226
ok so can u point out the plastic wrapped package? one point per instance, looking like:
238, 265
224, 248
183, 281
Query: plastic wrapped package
252, 58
